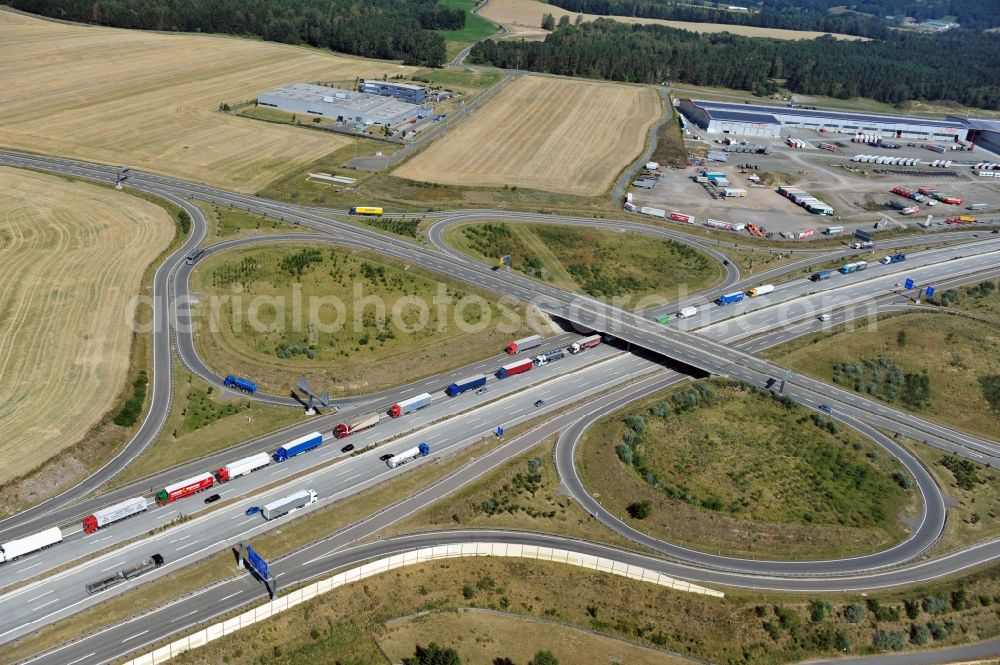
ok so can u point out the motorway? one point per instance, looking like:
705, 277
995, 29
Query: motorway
696, 351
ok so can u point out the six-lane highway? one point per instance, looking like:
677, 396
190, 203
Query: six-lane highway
49, 585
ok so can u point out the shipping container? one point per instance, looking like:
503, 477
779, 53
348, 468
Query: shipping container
468, 383
652, 212
298, 446
680, 217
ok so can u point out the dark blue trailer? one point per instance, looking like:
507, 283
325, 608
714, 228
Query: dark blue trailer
730, 298
468, 383
298, 446
238, 382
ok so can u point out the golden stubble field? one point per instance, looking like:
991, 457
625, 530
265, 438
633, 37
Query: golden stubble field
72, 257
524, 19
552, 134
150, 100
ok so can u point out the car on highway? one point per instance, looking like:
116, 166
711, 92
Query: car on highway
725, 262
348, 448
482, 391
539, 402
383, 458
252, 510
213, 498
824, 317
825, 408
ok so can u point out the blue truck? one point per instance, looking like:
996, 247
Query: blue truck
821, 275
468, 383
894, 258
238, 382
730, 297
298, 446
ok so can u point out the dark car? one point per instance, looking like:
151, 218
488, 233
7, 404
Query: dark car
539, 402
825, 408
383, 458
252, 510
348, 448
725, 262
213, 498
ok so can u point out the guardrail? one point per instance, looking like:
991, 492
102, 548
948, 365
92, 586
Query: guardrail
413, 557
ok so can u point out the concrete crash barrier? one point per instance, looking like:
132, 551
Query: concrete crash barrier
413, 557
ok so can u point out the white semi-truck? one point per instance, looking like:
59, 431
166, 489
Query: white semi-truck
408, 455
287, 504
14, 549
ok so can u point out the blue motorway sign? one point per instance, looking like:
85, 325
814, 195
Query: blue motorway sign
930, 292
257, 563
908, 283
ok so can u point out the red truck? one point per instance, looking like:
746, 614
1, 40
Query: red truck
356, 425
524, 344
184, 488
518, 367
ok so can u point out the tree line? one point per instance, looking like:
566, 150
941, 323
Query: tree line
957, 65
388, 29
867, 18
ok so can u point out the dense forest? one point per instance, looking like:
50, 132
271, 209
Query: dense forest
868, 18
957, 65
388, 29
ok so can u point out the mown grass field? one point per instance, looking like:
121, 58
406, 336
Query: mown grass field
958, 356
150, 100
546, 133
476, 27
227, 223
72, 258
727, 469
600, 263
482, 637
524, 19
362, 322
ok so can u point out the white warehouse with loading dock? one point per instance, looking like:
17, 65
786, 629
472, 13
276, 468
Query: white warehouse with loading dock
337, 104
764, 120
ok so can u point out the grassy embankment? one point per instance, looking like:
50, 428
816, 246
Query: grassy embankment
720, 468
348, 345
944, 368
593, 261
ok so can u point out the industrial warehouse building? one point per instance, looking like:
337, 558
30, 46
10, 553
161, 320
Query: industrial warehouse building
404, 92
342, 105
983, 133
762, 120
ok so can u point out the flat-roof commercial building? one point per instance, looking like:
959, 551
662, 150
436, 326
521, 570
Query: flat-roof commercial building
983, 133
404, 92
343, 105
764, 120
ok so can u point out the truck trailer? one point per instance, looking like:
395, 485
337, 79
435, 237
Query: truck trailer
15, 549
821, 275
287, 504
411, 453
238, 382
143, 566
356, 424
468, 383
524, 344
730, 298
894, 258
764, 289
242, 467
185, 488
585, 343
298, 446
687, 312
105, 516
517, 367
412, 404
370, 211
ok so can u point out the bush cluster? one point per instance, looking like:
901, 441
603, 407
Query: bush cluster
132, 407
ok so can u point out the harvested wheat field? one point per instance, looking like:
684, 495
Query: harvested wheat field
557, 135
151, 100
524, 19
72, 257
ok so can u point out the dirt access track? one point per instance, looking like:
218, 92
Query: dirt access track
72, 257
553, 134
150, 100
524, 20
